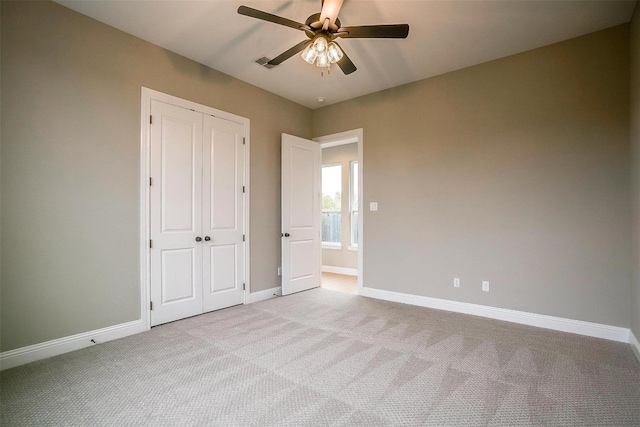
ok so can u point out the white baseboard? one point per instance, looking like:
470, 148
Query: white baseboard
635, 345
597, 330
340, 270
20, 356
264, 295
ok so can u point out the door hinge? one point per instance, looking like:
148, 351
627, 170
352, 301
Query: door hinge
243, 188
243, 237
150, 305
244, 286
150, 120
150, 243
150, 181
244, 141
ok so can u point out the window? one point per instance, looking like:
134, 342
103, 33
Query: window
331, 205
353, 190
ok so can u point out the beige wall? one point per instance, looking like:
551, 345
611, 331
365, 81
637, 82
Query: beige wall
345, 257
514, 171
635, 164
70, 167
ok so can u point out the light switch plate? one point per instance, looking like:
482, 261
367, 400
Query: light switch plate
373, 206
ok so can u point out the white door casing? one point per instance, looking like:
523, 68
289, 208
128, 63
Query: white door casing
301, 242
197, 211
176, 206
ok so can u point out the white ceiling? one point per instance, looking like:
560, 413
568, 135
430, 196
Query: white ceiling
444, 36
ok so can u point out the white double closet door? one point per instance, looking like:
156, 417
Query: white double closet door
196, 213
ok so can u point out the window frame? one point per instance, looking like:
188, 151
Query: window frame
353, 200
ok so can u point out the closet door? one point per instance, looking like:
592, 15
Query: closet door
223, 213
176, 212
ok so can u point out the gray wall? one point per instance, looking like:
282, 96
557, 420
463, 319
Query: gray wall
343, 155
70, 167
635, 162
514, 171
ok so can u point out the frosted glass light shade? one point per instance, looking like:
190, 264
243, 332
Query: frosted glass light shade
309, 54
320, 44
323, 60
334, 53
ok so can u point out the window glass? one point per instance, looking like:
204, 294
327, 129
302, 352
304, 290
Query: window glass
331, 203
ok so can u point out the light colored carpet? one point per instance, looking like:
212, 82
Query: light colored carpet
326, 358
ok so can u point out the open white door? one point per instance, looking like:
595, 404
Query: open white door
301, 243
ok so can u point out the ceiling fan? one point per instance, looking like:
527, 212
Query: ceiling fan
322, 29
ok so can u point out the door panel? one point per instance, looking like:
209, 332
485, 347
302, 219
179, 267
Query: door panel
302, 259
176, 206
223, 275
178, 281
178, 173
300, 214
223, 220
224, 181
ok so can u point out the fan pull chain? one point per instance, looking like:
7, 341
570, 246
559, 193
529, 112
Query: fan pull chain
328, 71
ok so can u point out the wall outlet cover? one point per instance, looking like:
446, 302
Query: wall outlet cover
485, 286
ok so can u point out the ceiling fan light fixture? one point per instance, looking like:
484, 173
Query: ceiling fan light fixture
320, 44
322, 28
322, 52
309, 54
334, 53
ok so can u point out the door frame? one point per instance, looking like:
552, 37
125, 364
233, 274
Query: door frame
147, 95
350, 137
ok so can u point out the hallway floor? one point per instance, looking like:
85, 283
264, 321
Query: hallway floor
340, 282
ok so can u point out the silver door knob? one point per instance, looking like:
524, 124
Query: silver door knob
198, 239
287, 234
207, 238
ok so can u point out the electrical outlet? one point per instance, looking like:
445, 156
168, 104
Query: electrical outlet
456, 282
485, 286
279, 271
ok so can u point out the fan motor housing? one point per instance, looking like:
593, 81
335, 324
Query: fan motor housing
315, 18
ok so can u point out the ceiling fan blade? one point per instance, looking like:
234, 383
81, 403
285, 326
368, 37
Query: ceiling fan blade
393, 31
258, 14
345, 63
330, 10
289, 53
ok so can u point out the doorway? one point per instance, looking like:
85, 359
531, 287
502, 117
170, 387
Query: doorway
342, 226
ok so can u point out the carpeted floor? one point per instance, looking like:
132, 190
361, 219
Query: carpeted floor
326, 358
